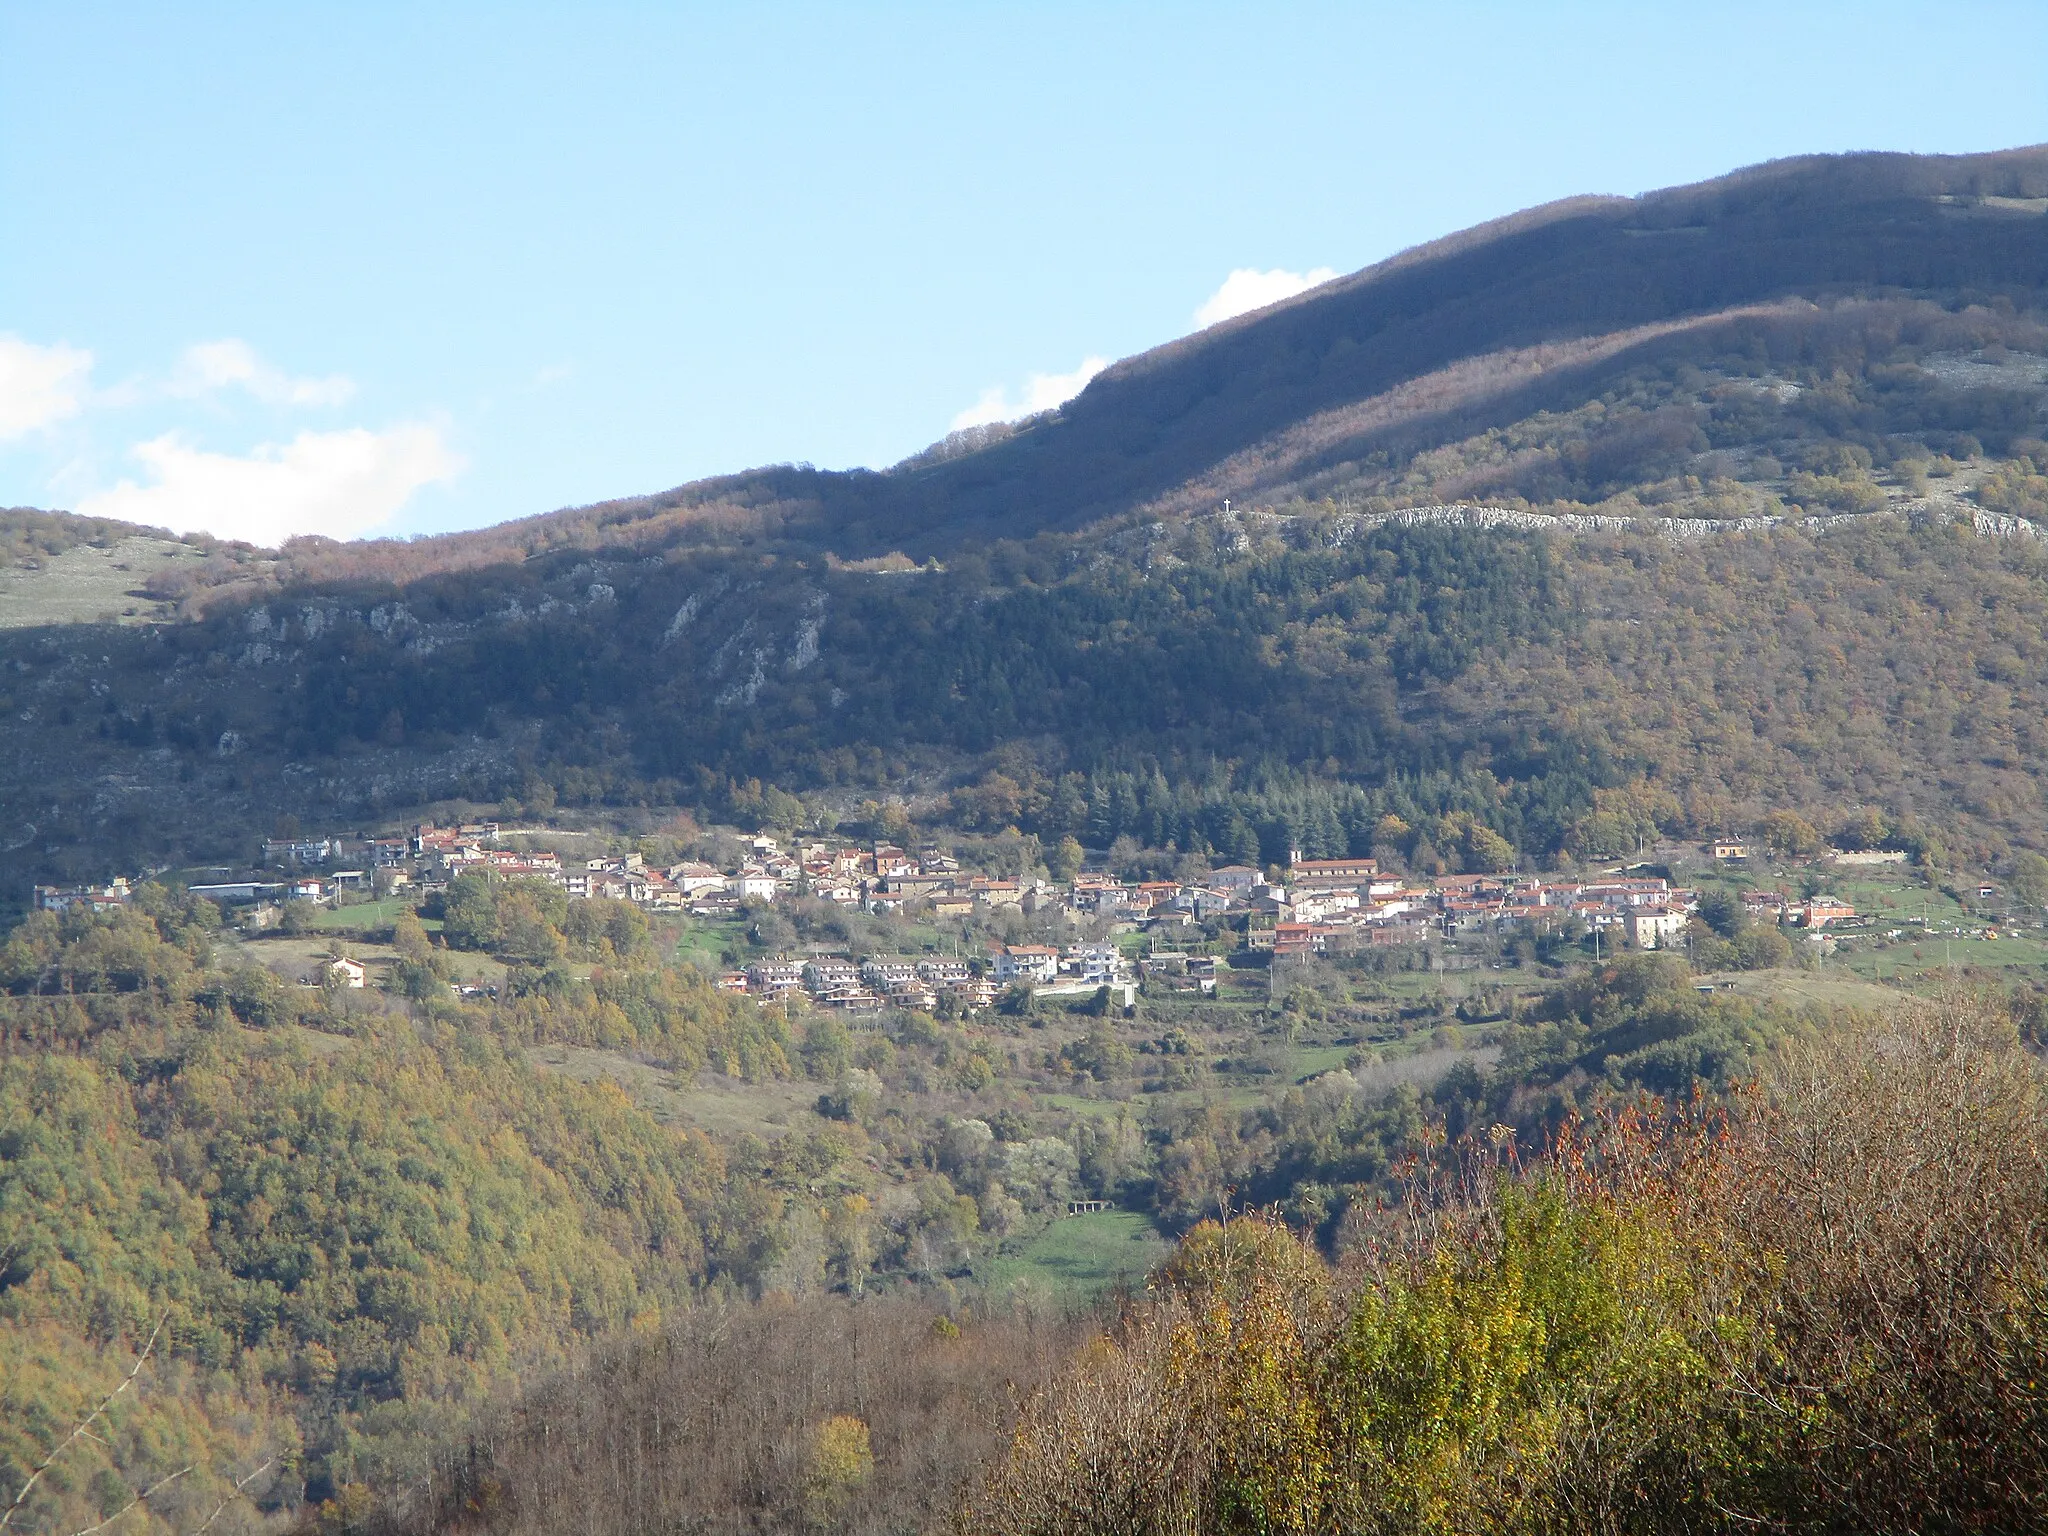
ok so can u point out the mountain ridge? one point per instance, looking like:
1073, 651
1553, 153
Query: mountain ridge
1081, 612
1440, 273
1585, 271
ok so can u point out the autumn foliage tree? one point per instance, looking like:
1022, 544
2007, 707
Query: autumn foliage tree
1819, 1310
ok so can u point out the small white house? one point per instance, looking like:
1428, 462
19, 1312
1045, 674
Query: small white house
695, 878
348, 973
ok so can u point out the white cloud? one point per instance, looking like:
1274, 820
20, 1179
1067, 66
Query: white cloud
1042, 391
1247, 289
340, 484
39, 385
215, 365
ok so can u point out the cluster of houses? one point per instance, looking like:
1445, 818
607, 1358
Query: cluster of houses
919, 981
1336, 903
1315, 906
83, 898
1333, 904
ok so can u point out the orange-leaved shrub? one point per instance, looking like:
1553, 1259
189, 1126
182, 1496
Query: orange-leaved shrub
1821, 1308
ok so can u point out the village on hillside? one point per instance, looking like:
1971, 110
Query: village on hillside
1308, 908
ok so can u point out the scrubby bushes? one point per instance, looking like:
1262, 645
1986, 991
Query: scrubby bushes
824, 1415
1822, 1310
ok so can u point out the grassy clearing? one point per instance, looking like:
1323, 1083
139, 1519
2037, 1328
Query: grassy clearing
1915, 962
707, 943
304, 958
1415, 986
1423, 1067
708, 960
1892, 899
85, 585
1074, 1104
369, 914
721, 1107
1081, 1256
1314, 1060
1831, 988
318, 1041
657, 1091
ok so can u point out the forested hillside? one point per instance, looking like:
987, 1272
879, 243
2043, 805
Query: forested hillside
1850, 417
330, 1230
323, 1213
1819, 1312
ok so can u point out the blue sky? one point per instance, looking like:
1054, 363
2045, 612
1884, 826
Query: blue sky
405, 268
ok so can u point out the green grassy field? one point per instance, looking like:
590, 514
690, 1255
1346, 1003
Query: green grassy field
370, 914
1314, 1060
1890, 900
707, 959
703, 942
719, 1106
1422, 986
1081, 1256
1073, 1103
1835, 987
1914, 960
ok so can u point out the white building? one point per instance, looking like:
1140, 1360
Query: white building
1096, 964
752, 885
693, 878
1651, 927
886, 970
1025, 962
775, 978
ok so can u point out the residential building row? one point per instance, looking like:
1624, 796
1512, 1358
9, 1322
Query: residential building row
867, 986
920, 981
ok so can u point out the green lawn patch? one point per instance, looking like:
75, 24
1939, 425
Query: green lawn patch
370, 914
1938, 955
710, 961
1073, 1103
1833, 987
1082, 1256
1314, 1060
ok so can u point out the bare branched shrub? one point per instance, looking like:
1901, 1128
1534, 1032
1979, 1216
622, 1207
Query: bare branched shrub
1891, 1190
825, 1414
1114, 1445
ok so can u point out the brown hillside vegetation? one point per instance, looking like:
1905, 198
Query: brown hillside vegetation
1823, 1313
1766, 670
1893, 663
830, 1414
